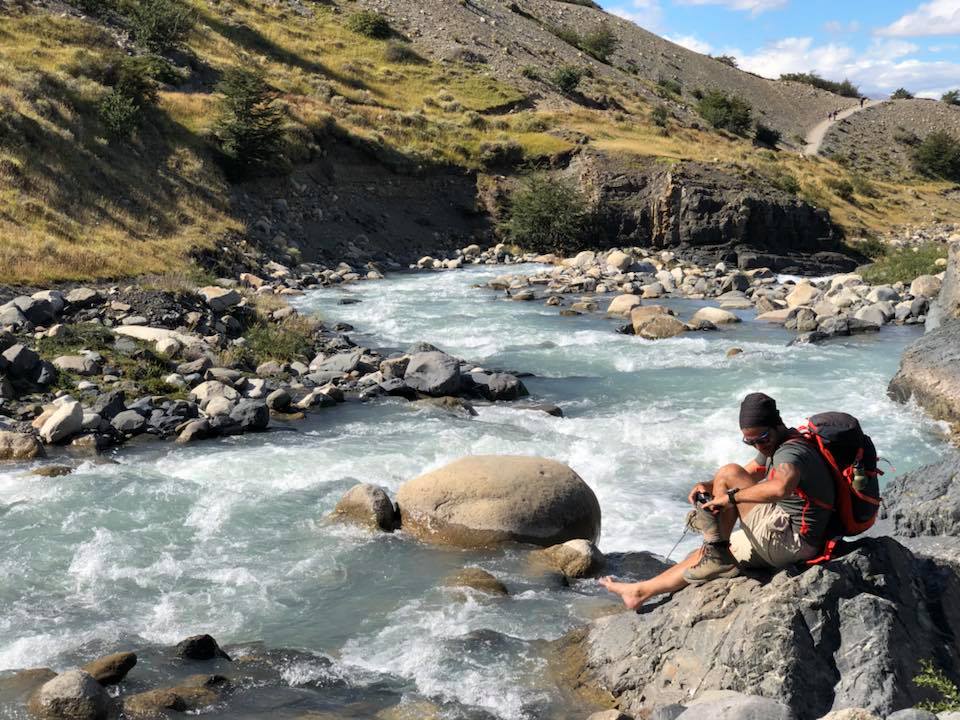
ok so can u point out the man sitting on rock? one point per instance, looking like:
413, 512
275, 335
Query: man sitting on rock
783, 499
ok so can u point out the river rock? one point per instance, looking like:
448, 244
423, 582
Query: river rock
205, 391
611, 715
714, 315
478, 579
220, 299
930, 372
574, 558
394, 368
727, 705
83, 297
803, 294
20, 360
194, 693
64, 422
200, 647
498, 386
109, 404
77, 364
873, 314
798, 638
16, 689
111, 669
251, 415
776, 316
433, 373
71, 695
195, 430
619, 260
926, 501
912, 714
129, 422
623, 304
927, 286
659, 327
367, 505
19, 446
491, 499
947, 305
279, 400
883, 293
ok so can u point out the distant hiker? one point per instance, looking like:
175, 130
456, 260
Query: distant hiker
862, 101
791, 500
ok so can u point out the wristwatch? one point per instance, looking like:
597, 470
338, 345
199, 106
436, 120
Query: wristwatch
732, 495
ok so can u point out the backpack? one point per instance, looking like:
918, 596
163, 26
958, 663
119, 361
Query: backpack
852, 459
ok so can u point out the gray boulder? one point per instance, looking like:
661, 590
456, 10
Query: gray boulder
200, 647
19, 446
39, 311
727, 705
77, 364
339, 364
252, 415
11, 316
930, 372
798, 638
367, 505
109, 404
947, 304
129, 422
279, 400
498, 386
926, 501
71, 695
21, 360
912, 714
433, 373
83, 297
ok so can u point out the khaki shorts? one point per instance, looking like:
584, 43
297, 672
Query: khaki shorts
767, 539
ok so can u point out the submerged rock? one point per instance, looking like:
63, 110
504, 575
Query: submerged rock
111, 669
800, 638
574, 558
478, 579
492, 499
193, 693
200, 647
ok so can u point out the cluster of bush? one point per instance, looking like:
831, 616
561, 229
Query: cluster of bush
845, 88
546, 215
600, 43
938, 156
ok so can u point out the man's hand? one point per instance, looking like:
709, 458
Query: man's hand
717, 504
699, 488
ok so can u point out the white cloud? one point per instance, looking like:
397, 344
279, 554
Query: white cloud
754, 6
645, 13
836, 26
691, 42
939, 17
879, 70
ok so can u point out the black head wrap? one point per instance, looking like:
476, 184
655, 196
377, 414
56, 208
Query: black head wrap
759, 410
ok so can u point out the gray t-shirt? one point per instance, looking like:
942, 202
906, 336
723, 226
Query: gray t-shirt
816, 481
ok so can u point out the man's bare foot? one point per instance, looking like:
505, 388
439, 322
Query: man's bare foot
632, 594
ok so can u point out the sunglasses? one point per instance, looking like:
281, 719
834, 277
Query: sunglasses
763, 437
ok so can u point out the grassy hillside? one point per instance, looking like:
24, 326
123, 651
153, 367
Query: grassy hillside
78, 201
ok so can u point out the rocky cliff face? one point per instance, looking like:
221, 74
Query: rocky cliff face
709, 215
930, 368
851, 633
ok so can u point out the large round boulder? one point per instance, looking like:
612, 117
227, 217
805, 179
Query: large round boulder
367, 504
717, 316
434, 373
71, 695
490, 499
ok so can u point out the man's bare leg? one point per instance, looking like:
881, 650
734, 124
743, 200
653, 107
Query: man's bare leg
670, 580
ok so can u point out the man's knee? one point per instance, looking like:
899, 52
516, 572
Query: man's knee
730, 472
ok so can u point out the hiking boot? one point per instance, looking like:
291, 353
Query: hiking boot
717, 562
705, 523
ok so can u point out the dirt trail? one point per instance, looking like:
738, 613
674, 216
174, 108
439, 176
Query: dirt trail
815, 137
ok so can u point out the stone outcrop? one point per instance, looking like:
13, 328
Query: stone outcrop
491, 499
930, 372
850, 633
367, 505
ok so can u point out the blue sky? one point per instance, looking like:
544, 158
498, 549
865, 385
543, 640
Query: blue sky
878, 44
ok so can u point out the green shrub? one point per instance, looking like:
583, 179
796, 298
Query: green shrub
726, 112
905, 264
767, 136
600, 43
906, 137
286, 341
726, 60
398, 52
161, 25
547, 216
531, 72
119, 114
567, 78
370, 24
667, 87
938, 156
873, 247
841, 187
501, 153
951, 97
249, 124
845, 88
788, 183
659, 115
934, 678
901, 94
567, 34
863, 187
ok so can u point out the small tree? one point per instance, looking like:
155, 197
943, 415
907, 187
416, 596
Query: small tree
547, 215
766, 135
660, 115
938, 156
600, 43
119, 114
901, 94
370, 24
951, 97
727, 60
161, 25
567, 78
726, 112
249, 125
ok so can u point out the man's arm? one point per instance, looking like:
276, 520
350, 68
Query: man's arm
780, 483
757, 470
